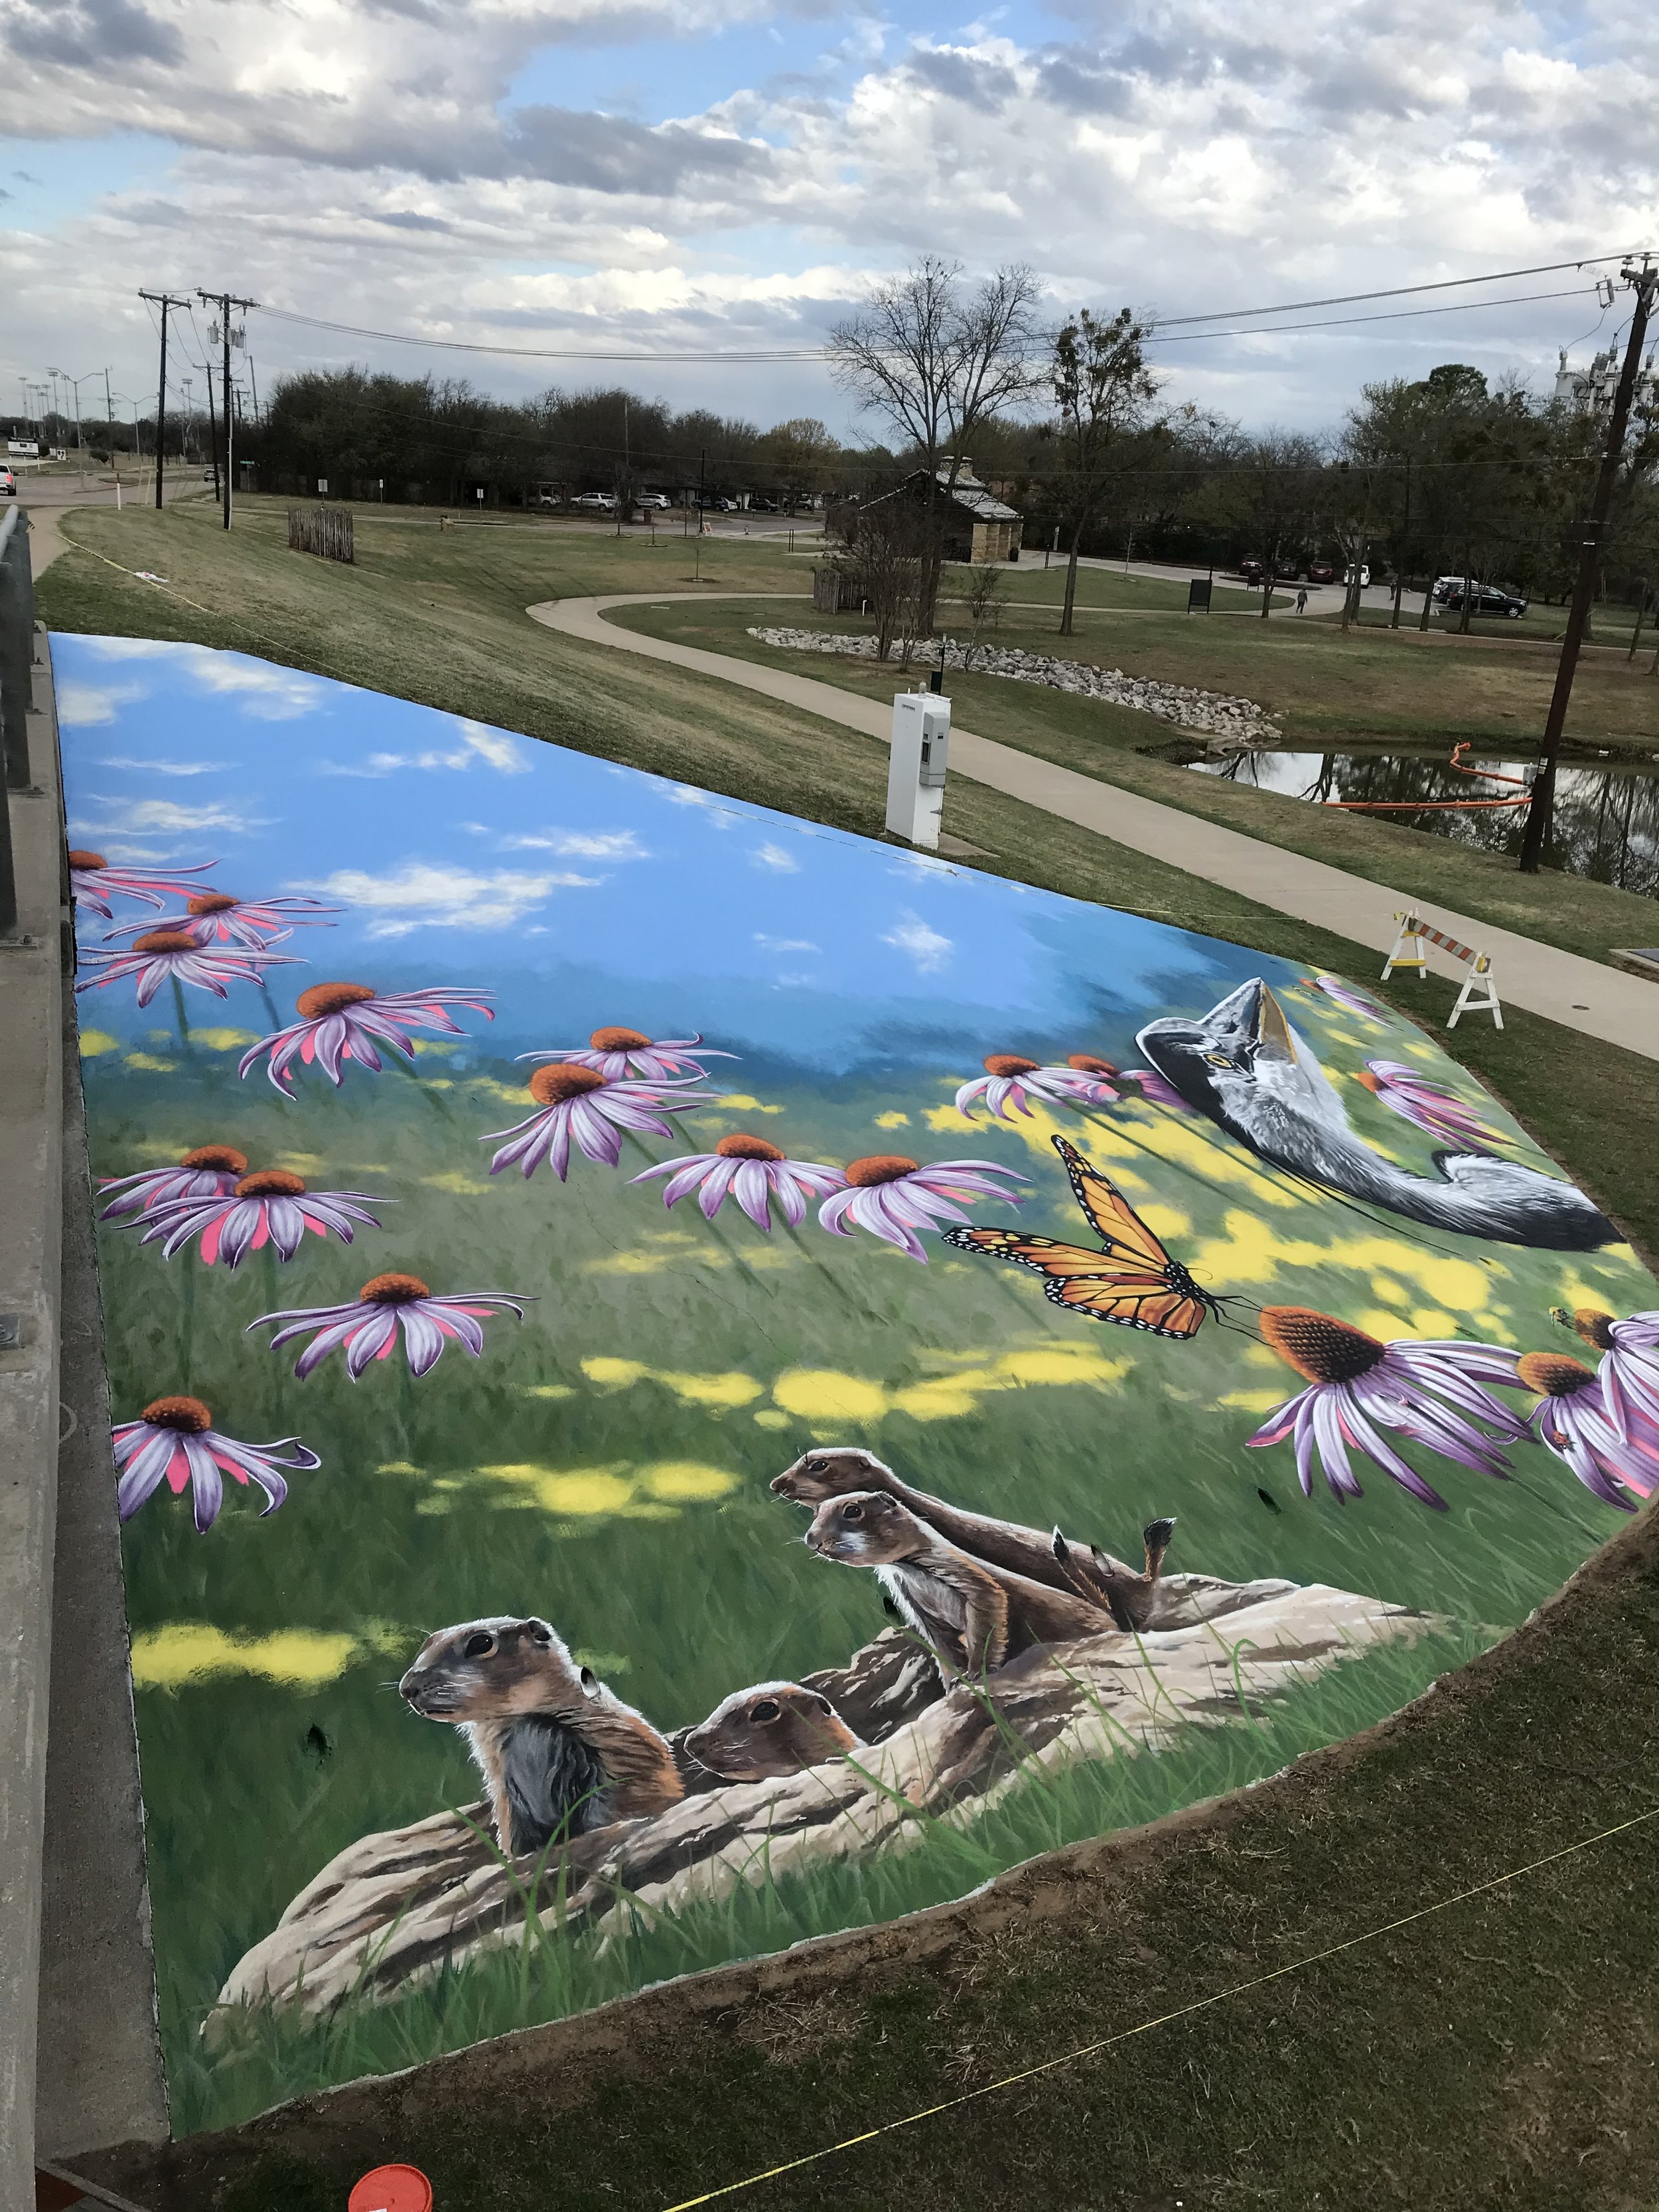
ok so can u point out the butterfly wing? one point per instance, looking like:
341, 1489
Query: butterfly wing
1109, 1213
1045, 1256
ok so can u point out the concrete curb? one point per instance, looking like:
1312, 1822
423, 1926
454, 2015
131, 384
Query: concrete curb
31, 1220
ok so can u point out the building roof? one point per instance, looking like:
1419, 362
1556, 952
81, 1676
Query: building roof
971, 493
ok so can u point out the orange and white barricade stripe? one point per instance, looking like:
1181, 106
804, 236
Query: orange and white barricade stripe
1411, 949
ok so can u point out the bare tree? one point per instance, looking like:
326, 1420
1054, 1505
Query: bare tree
934, 360
885, 566
985, 597
1101, 386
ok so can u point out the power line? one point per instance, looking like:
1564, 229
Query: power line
684, 354
1155, 334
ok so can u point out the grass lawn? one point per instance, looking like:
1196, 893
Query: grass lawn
1500, 2055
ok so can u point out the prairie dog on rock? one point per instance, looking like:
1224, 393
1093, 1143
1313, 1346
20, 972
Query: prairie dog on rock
1083, 1568
974, 1616
558, 1752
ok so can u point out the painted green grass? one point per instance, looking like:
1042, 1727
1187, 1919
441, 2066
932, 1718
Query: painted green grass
546, 1976
606, 1464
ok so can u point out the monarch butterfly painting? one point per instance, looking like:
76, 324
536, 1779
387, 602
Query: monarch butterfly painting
1133, 1280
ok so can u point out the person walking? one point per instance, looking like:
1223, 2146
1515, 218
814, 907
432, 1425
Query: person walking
1301, 597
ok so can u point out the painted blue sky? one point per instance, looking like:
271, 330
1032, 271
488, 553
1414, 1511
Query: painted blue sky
729, 174
580, 892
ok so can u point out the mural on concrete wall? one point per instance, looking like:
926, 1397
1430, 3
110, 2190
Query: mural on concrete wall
682, 1379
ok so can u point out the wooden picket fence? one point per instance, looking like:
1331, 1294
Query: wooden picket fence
324, 530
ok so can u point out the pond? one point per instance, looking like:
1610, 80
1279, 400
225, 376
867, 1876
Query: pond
1606, 819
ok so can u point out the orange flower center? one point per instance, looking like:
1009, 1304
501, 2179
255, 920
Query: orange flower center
1318, 1346
1087, 1064
272, 1183
164, 940
880, 1167
618, 1041
1371, 1082
394, 1291
741, 1147
189, 1415
1595, 1327
1552, 1374
328, 999
224, 1157
1007, 1063
552, 1086
210, 903
80, 857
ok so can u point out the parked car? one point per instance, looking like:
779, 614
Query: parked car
595, 502
7, 482
1319, 572
659, 499
1365, 574
1442, 585
1486, 599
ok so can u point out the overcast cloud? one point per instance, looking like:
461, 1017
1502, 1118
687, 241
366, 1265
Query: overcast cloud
727, 174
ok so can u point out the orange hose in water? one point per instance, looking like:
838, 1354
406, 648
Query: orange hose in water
1428, 805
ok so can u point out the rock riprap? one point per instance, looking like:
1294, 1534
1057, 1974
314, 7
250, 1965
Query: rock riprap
395, 1908
1215, 713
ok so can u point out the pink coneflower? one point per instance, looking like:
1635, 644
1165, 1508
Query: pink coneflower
208, 1172
619, 1052
1010, 1080
269, 1207
892, 1197
1356, 1382
1571, 1421
1156, 1089
753, 1172
581, 1103
174, 1441
340, 1022
369, 1326
161, 956
1629, 1371
1429, 1105
215, 918
1344, 994
94, 882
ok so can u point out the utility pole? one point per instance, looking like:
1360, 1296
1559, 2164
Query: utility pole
1541, 814
224, 302
696, 565
163, 300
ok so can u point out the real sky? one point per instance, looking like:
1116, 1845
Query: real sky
727, 174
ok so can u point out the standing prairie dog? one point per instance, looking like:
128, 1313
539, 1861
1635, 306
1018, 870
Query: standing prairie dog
973, 1616
1083, 1568
774, 1728
558, 1752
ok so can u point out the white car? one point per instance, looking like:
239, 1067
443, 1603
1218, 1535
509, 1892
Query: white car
659, 499
595, 502
7, 482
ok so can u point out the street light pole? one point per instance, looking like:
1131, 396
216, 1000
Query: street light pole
1541, 813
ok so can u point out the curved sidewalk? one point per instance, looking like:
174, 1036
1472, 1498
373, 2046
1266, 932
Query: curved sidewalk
1580, 995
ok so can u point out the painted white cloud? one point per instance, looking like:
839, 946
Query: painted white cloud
580, 844
164, 816
420, 894
920, 942
479, 743
269, 692
774, 858
86, 706
785, 944
166, 767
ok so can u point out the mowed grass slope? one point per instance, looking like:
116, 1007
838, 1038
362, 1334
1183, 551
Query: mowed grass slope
1500, 2056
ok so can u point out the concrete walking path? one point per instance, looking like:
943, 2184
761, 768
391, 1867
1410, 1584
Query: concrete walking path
1581, 994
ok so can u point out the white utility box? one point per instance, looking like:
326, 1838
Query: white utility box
916, 771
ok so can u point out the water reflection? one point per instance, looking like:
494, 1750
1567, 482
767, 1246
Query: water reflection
1607, 821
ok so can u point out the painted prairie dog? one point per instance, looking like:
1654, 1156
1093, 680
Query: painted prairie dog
558, 1752
974, 1616
774, 1728
1083, 1568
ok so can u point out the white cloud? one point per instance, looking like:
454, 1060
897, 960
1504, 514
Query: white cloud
419, 895
478, 743
268, 693
784, 943
774, 858
911, 934
162, 817
84, 705
581, 844
167, 767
